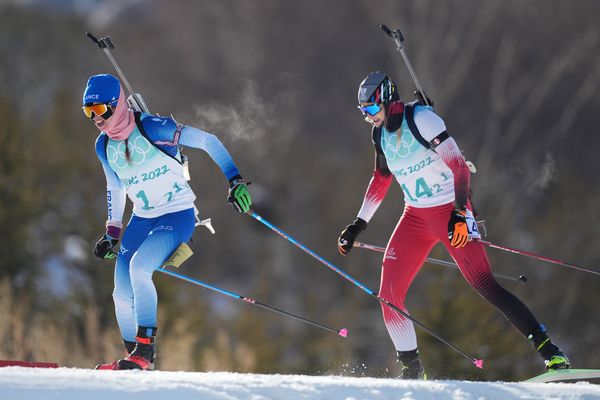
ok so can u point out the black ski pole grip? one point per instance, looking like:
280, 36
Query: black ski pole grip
386, 29
102, 42
92, 37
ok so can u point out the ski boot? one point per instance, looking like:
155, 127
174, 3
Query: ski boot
554, 358
142, 357
411, 365
129, 347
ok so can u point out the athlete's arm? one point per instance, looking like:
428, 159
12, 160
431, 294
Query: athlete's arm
193, 137
379, 184
430, 126
115, 191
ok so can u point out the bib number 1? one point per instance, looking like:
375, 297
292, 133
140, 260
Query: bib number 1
142, 196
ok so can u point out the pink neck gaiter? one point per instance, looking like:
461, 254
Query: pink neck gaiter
122, 122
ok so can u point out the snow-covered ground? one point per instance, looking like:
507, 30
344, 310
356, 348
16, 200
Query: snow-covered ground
18, 383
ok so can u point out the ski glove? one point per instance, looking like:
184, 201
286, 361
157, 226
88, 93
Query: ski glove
348, 235
462, 227
239, 197
104, 247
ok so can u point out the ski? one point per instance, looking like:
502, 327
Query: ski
27, 364
568, 376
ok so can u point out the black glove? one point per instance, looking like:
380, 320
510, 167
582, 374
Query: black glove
104, 246
348, 235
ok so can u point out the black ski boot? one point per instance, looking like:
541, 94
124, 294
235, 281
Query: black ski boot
129, 347
143, 356
553, 357
411, 365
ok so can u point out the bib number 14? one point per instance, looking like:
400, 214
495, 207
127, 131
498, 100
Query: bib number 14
422, 189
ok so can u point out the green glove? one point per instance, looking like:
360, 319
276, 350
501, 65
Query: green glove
239, 197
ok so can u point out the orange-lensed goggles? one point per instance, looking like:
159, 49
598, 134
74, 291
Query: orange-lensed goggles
97, 109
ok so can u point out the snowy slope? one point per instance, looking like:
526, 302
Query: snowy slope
67, 383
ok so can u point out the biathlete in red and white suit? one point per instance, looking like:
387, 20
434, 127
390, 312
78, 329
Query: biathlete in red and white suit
435, 181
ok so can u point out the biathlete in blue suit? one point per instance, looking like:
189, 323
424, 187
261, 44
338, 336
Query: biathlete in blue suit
141, 159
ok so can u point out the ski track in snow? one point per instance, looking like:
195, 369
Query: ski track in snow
17, 383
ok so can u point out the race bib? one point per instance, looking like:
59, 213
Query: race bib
472, 228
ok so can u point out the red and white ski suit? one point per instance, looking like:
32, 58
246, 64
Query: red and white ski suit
434, 182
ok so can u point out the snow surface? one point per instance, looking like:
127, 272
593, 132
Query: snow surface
18, 383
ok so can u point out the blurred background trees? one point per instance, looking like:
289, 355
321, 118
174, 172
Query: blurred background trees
276, 81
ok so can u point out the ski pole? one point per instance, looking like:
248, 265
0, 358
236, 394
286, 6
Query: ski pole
538, 257
342, 332
106, 44
398, 38
521, 278
478, 362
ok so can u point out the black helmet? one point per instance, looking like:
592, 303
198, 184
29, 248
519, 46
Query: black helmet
377, 88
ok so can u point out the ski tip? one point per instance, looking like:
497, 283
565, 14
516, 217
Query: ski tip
478, 363
27, 364
343, 332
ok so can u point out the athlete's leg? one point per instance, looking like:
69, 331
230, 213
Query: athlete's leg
168, 232
136, 231
405, 253
475, 267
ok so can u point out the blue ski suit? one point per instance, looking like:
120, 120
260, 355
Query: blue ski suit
147, 168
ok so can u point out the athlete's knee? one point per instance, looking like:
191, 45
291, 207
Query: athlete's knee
394, 283
140, 268
395, 295
488, 287
122, 298
478, 274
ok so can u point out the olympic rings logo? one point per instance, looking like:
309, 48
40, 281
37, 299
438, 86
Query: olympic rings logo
116, 155
138, 150
394, 148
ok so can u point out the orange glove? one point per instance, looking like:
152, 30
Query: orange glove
457, 228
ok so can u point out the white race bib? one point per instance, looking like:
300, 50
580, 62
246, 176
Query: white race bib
472, 226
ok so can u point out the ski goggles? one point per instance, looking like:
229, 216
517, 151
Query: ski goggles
96, 109
371, 110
